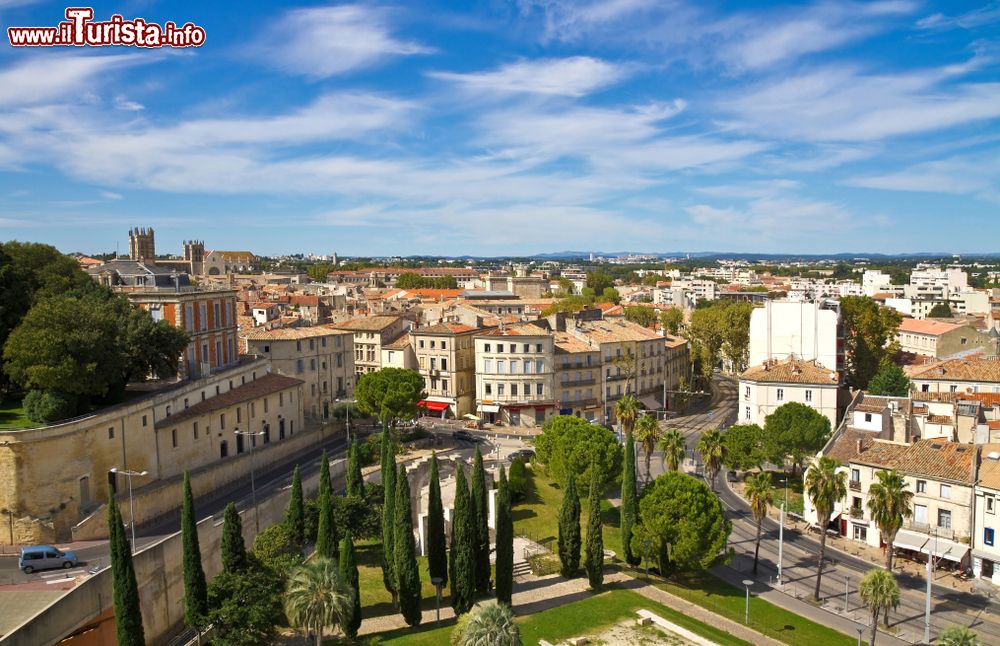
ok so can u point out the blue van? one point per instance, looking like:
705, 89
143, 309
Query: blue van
44, 557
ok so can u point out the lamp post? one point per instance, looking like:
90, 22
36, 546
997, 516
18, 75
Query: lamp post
348, 410
253, 486
930, 580
861, 629
746, 618
847, 591
781, 541
131, 503
437, 581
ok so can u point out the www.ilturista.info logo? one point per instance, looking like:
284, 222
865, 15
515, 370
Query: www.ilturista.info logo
80, 30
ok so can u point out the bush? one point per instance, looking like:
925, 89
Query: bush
570, 446
48, 405
276, 549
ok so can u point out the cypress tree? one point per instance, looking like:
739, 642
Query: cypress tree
326, 529
355, 481
463, 581
407, 574
437, 553
595, 538
630, 505
295, 514
481, 528
349, 572
505, 542
195, 588
324, 475
128, 613
569, 530
388, 471
234, 551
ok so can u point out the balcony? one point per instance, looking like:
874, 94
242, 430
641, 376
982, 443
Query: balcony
616, 377
586, 381
854, 485
946, 533
857, 512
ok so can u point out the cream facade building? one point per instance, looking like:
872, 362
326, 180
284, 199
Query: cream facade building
446, 358
515, 375
767, 387
985, 548
371, 333
578, 376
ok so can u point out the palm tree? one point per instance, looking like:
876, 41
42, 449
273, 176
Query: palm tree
880, 592
674, 447
825, 486
760, 493
713, 453
889, 504
626, 410
490, 624
317, 596
958, 636
647, 430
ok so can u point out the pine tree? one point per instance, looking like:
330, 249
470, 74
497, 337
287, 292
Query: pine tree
355, 481
463, 578
630, 505
595, 538
128, 613
388, 472
480, 517
349, 571
326, 528
195, 588
505, 542
437, 552
234, 550
569, 530
295, 514
407, 574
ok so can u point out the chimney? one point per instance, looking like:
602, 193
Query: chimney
860, 442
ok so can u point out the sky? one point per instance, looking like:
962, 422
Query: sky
528, 126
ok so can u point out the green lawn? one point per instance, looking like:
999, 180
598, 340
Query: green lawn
12, 415
375, 599
788, 485
587, 616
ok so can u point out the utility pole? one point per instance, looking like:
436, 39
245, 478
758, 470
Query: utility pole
253, 487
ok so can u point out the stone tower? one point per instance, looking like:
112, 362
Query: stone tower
194, 253
141, 245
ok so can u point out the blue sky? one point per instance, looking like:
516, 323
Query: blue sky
517, 127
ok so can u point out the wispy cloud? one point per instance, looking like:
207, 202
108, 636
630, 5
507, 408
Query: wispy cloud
43, 79
575, 76
327, 41
979, 17
975, 174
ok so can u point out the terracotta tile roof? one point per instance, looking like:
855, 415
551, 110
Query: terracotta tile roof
791, 372
878, 403
930, 327
977, 369
934, 458
268, 384
304, 301
399, 344
674, 341
616, 331
434, 294
445, 328
292, 333
986, 399
368, 323
523, 329
568, 344
845, 447
989, 469
939, 419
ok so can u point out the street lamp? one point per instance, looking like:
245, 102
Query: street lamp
348, 402
781, 542
930, 581
437, 581
847, 591
861, 629
253, 487
131, 504
746, 618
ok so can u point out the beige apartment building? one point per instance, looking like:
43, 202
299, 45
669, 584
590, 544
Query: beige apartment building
446, 358
399, 354
578, 376
515, 375
975, 375
941, 339
985, 549
322, 357
765, 388
676, 363
371, 333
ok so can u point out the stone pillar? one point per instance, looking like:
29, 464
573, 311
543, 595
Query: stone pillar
491, 500
422, 534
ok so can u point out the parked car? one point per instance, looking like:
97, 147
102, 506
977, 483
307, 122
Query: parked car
45, 557
525, 454
731, 476
464, 436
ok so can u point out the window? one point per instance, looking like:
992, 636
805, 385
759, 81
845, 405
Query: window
528, 366
746, 392
499, 347
921, 486
527, 347
420, 343
501, 365
489, 389
433, 344
988, 536
444, 364
444, 345
222, 421
487, 366
218, 315
144, 420
925, 388
538, 366
809, 395
444, 384
945, 491
861, 533
173, 438
111, 432
746, 412
486, 347
781, 394
920, 514
299, 365
312, 364
538, 347
944, 518
194, 427
868, 417
500, 390
989, 504
539, 388
513, 390
952, 388
513, 366
281, 399
855, 475
239, 415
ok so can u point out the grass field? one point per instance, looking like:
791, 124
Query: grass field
12, 415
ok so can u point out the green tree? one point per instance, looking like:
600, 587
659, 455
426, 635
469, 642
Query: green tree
149, 347
195, 588
275, 549
461, 567
795, 430
940, 311
671, 320
245, 607
889, 504
361, 517
349, 573
480, 517
891, 381
355, 481
958, 636
234, 551
744, 447
490, 624
759, 493
390, 394
644, 316
595, 536
683, 522
317, 597
598, 281
569, 530
295, 513
407, 574
326, 532
128, 612
320, 271
505, 542
569, 446
736, 333
825, 486
674, 448
646, 433
630, 502
518, 479
437, 551
49, 405
626, 411
713, 454
410, 280
880, 592
388, 473
869, 337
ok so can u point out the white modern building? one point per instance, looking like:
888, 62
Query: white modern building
783, 330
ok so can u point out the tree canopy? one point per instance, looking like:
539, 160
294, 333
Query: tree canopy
390, 394
644, 316
941, 311
720, 330
570, 446
890, 380
795, 430
870, 337
745, 447
671, 319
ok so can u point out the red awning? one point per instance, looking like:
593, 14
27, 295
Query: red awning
434, 406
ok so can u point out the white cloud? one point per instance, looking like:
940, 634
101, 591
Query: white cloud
326, 41
774, 214
978, 17
111, 195
125, 104
571, 20
44, 79
977, 174
575, 76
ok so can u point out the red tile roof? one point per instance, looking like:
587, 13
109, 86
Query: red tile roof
259, 387
932, 458
791, 372
933, 328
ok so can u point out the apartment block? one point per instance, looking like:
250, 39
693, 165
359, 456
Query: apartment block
371, 333
446, 358
515, 375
